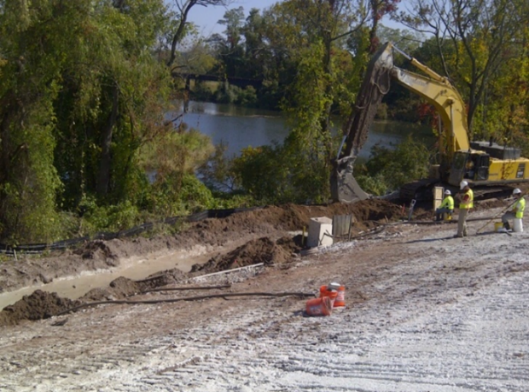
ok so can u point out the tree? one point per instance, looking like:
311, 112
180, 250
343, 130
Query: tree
304, 47
473, 39
378, 9
230, 49
82, 96
112, 100
34, 41
182, 8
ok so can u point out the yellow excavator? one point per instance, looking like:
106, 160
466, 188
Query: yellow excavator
482, 164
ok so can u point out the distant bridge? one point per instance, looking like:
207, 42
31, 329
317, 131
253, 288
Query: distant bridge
239, 82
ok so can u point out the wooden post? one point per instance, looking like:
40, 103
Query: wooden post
437, 197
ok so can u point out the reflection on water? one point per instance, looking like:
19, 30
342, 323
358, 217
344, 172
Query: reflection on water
240, 127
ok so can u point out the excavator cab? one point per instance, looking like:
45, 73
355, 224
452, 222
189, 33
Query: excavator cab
469, 165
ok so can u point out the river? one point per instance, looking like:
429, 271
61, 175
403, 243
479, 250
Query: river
240, 127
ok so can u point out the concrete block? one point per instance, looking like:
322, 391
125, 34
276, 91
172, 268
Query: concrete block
318, 227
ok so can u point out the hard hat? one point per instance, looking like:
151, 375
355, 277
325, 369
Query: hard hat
516, 191
447, 192
463, 184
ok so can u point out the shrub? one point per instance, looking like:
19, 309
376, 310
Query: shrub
389, 169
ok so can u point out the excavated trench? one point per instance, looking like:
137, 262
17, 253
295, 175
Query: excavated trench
269, 243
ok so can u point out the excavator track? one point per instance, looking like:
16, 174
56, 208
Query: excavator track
422, 190
418, 190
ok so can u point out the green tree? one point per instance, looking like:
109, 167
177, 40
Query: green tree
316, 35
112, 100
388, 169
35, 39
180, 27
83, 99
473, 38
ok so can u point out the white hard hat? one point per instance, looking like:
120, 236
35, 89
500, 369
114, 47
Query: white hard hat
447, 192
516, 191
463, 184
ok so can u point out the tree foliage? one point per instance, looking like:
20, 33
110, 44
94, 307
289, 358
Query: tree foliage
473, 40
83, 98
88, 131
388, 169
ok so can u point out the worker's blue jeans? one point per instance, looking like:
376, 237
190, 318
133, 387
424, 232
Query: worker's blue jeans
440, 211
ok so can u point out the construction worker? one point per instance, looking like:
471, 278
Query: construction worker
466, 202
446, 207
516, 210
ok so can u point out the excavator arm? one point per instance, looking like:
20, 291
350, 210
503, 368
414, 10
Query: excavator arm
436, 89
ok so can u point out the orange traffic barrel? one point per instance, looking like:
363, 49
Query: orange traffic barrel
336, 292
325, 292
319, 307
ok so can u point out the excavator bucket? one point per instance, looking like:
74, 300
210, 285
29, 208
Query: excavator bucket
344, 187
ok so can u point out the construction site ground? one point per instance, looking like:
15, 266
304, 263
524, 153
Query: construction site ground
424, 311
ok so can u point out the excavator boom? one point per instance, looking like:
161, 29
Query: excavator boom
375, 85
436, 89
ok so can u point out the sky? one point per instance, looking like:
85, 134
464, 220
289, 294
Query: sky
206, 18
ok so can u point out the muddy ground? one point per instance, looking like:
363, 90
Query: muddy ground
265, 229
425, 312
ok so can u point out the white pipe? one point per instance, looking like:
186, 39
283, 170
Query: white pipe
228, 271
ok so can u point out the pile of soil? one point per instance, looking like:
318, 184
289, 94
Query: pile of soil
122, 287
96, 250
262, 250
42, 305
37, 306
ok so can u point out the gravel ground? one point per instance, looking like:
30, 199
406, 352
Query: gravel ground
425, 312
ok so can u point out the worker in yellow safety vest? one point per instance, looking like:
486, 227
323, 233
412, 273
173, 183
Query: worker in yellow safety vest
446, 207
466, 197
516, 210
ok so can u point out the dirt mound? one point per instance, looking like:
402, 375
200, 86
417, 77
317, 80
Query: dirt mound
93, 255
118, 289
97, 250
37, 306
122, 287
262, 250
41, 304
295, 217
